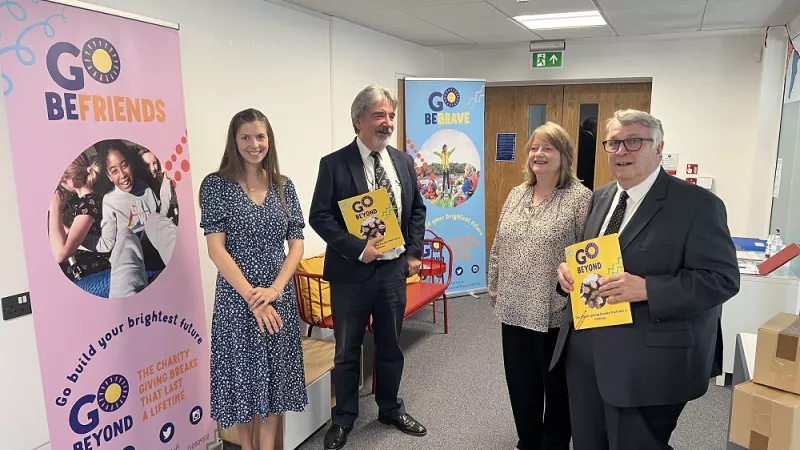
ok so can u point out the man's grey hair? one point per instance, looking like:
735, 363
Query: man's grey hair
631, 116
368, 97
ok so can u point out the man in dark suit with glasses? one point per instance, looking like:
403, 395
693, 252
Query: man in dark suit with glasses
628, 384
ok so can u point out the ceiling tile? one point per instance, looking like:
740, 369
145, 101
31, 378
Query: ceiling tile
512, 8
510, 32
767, 6
669, 19
576, 33
331, 6
478, 22
620, 5
748, 13
426, 34
409, 3
380, 18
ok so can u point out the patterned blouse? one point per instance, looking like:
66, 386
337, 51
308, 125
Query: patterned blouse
528, 247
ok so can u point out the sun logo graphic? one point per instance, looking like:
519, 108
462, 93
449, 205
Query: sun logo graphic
451, 97
101, 60
113, 393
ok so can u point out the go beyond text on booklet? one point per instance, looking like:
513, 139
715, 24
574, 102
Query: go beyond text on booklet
589, 262
371, 215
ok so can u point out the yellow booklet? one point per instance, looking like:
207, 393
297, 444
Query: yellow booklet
371, 215
589, 262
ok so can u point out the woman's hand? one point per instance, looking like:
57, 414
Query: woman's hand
55, 203
267, 318
565, 278
260, 296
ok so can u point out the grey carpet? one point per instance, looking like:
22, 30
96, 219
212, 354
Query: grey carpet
454, 384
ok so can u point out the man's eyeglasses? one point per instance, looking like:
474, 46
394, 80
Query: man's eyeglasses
631, 144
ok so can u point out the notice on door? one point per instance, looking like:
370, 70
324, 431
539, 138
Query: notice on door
506, 146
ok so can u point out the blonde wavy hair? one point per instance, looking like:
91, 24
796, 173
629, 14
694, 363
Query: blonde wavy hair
556, 136
83, 171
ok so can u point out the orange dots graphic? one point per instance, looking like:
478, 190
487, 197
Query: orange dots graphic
180, 169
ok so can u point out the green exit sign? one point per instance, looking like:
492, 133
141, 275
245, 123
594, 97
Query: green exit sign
543, 60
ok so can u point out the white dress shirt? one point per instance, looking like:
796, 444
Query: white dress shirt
635, 196
394, 180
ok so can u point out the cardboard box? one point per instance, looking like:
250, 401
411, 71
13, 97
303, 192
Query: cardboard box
763, 418
778, 353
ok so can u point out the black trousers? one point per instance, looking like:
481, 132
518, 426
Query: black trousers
526, 357
597, 425
382, 296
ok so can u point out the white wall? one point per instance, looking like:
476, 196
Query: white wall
362, 56
23, 424
794, 26
705, 90
301, 69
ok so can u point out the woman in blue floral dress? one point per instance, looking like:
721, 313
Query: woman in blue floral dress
248, 212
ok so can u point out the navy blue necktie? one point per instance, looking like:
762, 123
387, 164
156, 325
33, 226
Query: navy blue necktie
382, 180
617, 215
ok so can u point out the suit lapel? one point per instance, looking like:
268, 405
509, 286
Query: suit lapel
651, 203
356, 167
402, 174
600, 211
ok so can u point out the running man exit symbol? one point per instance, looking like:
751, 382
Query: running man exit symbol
548, 59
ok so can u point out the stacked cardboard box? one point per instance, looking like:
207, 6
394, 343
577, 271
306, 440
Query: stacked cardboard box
766, 411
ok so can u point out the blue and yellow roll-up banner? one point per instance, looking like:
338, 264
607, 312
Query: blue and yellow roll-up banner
444, 120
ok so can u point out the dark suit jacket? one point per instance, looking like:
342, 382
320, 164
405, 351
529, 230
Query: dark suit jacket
341, 176
678, 241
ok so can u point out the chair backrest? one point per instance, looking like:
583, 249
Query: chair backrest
312, 292
437, 260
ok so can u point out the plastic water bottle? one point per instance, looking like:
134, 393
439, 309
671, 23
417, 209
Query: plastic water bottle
774, 243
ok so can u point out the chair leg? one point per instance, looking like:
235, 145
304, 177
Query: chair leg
310, 328
374, 367
434, 310
444, 300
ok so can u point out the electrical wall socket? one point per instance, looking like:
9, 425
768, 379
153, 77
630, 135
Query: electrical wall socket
16, 306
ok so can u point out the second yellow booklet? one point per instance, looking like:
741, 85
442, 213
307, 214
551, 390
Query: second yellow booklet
371, 215
589, 262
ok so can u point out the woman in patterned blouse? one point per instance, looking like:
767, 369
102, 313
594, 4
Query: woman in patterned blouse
87, 269
539, 219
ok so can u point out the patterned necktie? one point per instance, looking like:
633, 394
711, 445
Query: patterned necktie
382, 180
617, 216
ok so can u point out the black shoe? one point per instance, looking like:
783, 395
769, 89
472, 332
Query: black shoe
406, 424
336, 436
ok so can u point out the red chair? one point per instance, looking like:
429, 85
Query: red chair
435, 276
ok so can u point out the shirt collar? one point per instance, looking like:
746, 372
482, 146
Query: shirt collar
638, 192
364, 150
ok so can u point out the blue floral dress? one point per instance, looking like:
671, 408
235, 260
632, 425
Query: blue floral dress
253, 373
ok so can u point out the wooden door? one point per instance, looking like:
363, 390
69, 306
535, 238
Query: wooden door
604, 99
508, 110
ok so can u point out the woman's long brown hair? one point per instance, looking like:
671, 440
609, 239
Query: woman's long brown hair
232, 165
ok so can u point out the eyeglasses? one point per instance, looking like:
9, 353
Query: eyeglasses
631, 144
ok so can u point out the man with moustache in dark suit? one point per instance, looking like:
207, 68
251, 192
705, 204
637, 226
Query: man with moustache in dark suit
628, 384
363, 281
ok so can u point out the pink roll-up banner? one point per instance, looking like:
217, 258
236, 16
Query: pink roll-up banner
97, 127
